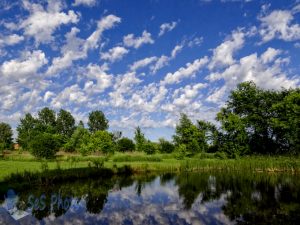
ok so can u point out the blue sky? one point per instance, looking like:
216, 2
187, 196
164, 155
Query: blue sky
142, 62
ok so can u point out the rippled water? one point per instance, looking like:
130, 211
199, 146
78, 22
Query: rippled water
187, 198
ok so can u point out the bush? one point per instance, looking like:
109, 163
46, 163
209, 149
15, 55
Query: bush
220, 155
149, 148
165, 146
180, 151
102, 141
125, 144
44, 145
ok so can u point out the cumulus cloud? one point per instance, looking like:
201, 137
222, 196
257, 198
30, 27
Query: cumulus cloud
114, 54
278, 24
42, 23
223, 54
166, 27
142, 63
77, 48
265, 70
88, 3
131, 41
26, 66
99, 74
11, 40
184, 72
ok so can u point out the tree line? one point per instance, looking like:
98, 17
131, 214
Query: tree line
253, 121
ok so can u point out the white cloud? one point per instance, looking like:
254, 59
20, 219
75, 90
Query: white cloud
265, 71
197, 41
166, 27
189, 70
160, 63
142, 63
131, 41
278, 24
42, 23
11, 40
26, 66
176, 50
223, 54
184, 95
99, 74
105, 23
77, 48
88, 3
71, 94
114, 54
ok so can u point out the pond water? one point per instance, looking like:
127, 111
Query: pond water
186, 198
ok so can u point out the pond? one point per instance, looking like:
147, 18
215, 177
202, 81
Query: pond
182, 198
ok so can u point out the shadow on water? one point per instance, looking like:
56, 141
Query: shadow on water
185, 198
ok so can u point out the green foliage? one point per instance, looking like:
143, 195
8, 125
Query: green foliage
81, 136
139, 139
220, 155
98, 162
137, 158
180, 151
235, 139
44, 145
65, 124
149, 148
125, 144
102, 142
97, 121
5, 136
165, 146
27, 129
189, 135
47, 120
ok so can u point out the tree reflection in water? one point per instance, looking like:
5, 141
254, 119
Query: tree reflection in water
253, 198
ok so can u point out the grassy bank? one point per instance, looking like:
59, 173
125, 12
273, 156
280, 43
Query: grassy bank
140, 162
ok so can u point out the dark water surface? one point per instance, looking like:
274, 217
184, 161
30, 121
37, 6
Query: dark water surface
186, 198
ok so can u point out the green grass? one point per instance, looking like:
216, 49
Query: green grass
140, 162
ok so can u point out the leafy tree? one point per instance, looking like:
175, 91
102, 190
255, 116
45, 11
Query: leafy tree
165, 146
125, 144
5, 136
149, 147
44, 145
211, 134
65, 123
81, 136
47, 117
27, 129
139, 139
286, 122
97, 121
235, 140
188, 134
102, 141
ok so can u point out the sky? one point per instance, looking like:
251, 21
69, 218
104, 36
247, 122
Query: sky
142, 62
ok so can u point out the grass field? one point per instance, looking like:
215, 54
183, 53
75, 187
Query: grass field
140, 162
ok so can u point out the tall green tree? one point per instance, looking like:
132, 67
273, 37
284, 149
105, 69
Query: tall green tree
5, 136
211, 134
27, 129
234, 140
97, 121
65, 123
47, 120
186, 133
139, 139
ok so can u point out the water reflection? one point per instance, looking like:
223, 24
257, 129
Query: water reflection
187, 198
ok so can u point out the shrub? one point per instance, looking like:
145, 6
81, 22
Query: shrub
149, 148
165, 146
125, 144
220, 155
44, 145
102, 141
180, 151
98, 162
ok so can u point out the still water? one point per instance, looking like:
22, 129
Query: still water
186, 198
